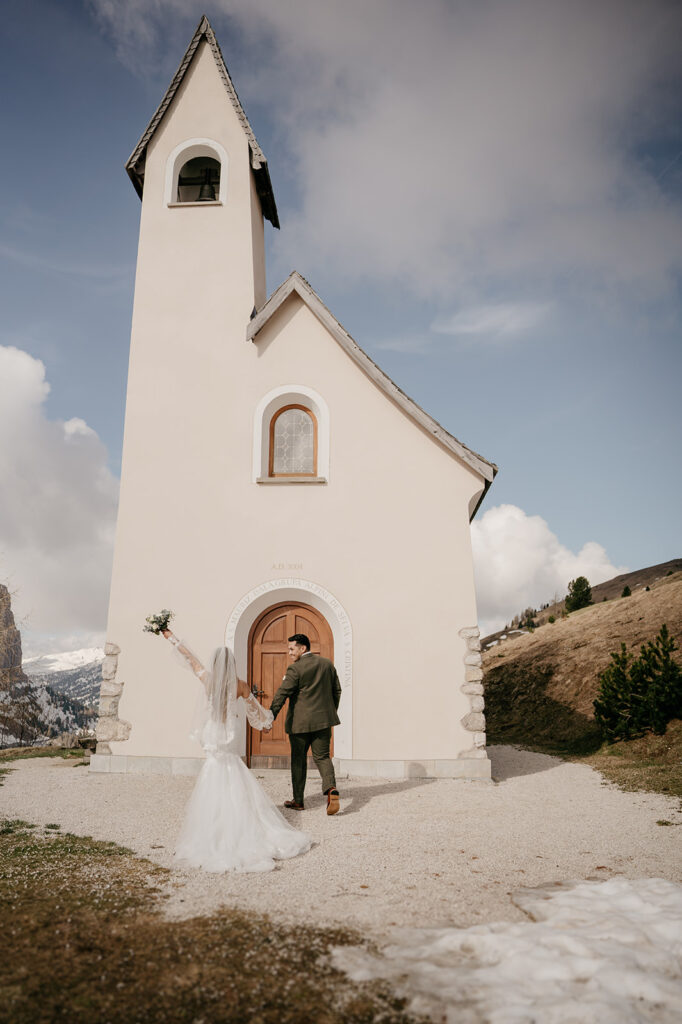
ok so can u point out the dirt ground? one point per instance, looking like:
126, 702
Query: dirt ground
399, 853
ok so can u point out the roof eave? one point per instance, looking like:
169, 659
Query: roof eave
485, 490
136, 180
266, 194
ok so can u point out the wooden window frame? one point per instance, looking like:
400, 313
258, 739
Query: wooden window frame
271, 453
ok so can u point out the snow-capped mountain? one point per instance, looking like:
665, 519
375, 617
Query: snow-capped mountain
74, 674
43, 664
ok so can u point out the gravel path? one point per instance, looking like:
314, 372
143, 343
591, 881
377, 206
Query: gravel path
419, 852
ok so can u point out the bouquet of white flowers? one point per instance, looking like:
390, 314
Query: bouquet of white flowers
157, 623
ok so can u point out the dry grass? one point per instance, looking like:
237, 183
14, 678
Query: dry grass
83, 940
577, 648
9, 754
19, 753
651, 763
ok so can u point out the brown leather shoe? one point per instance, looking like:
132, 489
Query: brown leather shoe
332, 801
292, 805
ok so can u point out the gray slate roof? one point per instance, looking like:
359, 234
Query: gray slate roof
296, 283
259, 165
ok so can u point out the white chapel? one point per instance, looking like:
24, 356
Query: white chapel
275, 480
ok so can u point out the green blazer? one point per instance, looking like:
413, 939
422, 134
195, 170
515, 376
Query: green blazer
313, 690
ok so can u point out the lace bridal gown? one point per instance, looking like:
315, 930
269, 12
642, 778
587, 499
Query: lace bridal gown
230, 822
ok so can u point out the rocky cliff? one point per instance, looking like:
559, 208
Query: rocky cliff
10, 644
29, 713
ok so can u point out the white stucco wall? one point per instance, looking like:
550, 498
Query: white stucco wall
388, 535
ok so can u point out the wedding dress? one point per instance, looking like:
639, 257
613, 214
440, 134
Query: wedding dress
230, 822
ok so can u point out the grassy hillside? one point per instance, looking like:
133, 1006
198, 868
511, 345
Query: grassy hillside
636, 580
540, 686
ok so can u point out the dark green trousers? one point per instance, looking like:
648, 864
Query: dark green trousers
318, 742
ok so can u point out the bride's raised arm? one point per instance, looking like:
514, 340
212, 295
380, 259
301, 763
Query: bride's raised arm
189, 659
258, 716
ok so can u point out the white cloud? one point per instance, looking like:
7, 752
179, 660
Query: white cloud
520, 563
494, 322
57, 515
502, 319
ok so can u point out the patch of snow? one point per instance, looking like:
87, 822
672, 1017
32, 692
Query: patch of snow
42, 664
492, 643
595, 952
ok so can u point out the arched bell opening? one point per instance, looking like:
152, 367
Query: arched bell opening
196, 172
199, 180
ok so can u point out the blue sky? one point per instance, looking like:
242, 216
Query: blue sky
489, 198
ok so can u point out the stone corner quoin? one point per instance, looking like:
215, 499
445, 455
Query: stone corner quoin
474, 720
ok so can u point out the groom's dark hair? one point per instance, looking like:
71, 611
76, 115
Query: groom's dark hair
301, 639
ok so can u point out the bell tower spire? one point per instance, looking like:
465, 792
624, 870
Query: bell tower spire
205, 189
135, 165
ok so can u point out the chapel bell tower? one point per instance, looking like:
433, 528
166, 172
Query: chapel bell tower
205, 190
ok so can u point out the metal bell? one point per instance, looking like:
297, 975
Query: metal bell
207, 190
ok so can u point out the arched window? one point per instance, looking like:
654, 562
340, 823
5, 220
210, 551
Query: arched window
293, 442
199, 181
291, 437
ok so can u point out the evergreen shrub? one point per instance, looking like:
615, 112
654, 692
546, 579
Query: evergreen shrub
639, 695
579, 594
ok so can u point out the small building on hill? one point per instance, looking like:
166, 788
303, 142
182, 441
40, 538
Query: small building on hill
275, 480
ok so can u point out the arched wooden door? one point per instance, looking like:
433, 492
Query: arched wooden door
268, 661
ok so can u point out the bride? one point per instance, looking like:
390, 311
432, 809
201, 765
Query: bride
230, 823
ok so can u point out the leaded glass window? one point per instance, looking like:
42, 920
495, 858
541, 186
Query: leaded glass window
292, 443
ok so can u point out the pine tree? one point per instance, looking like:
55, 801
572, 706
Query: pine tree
626, 592
613, 709
638, 695
26, 713
661, 681
579, 594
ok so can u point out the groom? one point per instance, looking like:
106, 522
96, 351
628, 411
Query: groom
312, 688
